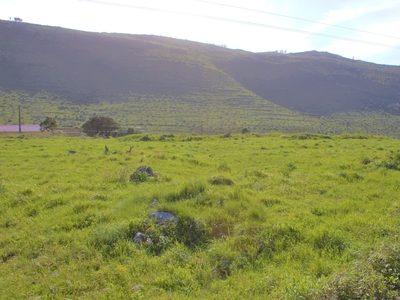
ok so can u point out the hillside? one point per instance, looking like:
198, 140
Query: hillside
318, 83
142, 79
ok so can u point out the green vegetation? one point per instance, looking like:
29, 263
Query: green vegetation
48, 124
290, 216
203, 114
101, 126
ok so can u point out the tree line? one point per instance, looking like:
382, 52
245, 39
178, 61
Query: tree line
95, 126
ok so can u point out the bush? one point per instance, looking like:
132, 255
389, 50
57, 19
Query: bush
48, 124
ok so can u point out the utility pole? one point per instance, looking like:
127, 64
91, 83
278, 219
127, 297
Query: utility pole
19, 118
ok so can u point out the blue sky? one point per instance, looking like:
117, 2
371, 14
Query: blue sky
343, 27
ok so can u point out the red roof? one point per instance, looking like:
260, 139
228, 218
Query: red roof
24, 128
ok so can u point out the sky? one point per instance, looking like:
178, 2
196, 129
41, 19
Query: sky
367, 30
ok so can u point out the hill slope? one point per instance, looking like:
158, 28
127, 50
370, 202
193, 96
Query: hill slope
319, 83
83, 67
74, 68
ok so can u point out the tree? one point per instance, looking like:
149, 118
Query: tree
103, 126
48, 124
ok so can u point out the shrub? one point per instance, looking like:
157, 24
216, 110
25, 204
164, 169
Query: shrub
140, 176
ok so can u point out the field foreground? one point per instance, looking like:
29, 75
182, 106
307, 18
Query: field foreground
259, 217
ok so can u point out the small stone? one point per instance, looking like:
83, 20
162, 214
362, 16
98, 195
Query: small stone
139, 238
149, 171
164, 217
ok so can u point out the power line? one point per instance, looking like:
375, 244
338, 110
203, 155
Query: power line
296, 18
244, 23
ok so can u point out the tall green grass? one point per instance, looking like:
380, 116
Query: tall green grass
259, 217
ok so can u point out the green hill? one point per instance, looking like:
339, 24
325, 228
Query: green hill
164, 84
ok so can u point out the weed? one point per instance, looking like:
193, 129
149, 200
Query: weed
220, 180
258, 173
366, 161
390, 165
188, 191
224, 167
2, 188
330, 242
376, 277
270, 202
105, 237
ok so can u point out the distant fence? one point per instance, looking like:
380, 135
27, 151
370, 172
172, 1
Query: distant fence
67, 131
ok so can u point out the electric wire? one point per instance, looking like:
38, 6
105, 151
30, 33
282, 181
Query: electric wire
244, 23
296, 18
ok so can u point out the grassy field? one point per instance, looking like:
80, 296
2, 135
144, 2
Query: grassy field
270, 216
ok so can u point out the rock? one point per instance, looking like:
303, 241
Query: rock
138, 174
149, 171
139, 238
164, 217
141, 169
